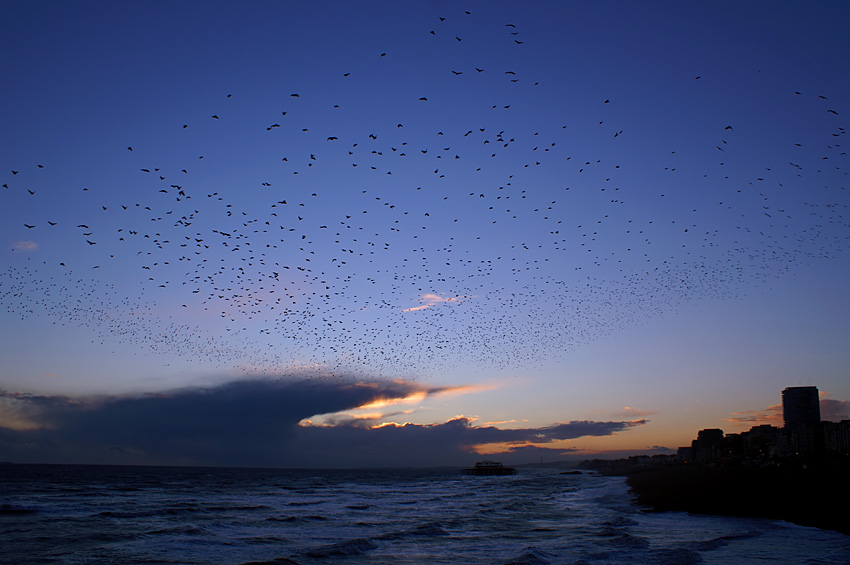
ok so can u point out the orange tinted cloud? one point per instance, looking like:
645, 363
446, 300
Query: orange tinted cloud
417, 396
771, 415
406, 393
420, 395
500, 422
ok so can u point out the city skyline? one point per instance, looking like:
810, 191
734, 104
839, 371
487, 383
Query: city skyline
304, 232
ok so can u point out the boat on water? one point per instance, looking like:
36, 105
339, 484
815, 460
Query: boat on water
484, 468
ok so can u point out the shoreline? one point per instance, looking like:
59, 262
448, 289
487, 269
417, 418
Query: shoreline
815, 495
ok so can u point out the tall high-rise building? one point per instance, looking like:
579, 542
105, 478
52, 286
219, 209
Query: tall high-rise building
800, 406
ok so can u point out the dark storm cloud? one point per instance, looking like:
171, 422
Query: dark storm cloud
533, 453
252, 423
449, 443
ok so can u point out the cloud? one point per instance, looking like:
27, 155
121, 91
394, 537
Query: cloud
834, 410
771, 415
455, 442
18, 414
831, 410
633, 412
373, 410
256, 423
498, 441
429, 300
533, 453
25, 245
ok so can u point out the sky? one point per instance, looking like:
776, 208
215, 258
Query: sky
336, 234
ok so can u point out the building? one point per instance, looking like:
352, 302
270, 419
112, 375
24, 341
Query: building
765, 442
708, 446
801, 414
800, 406
836, 436
803, 437
685, 454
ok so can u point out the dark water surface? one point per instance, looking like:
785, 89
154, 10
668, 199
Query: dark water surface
111, 514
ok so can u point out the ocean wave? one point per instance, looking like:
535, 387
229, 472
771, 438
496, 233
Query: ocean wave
14, 509
305, 502
120, 514
721, 541
103, 537
628, 541
276, 561
181, 530
238, 508
428, 530
311, 518
517, 524
423, 530
171, 511
263, 540
678, 556
348, 548
620, 522
532, 556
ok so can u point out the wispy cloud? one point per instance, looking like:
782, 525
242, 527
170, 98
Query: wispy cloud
771, 415
831, 410
633, 412
25, 245
429, 300
502, 422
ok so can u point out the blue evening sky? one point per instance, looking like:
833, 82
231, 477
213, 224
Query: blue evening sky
515, 214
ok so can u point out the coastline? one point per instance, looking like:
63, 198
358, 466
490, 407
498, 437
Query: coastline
806, 495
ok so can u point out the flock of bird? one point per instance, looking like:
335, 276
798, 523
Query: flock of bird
409, 245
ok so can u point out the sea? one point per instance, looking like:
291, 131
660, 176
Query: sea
123, 515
